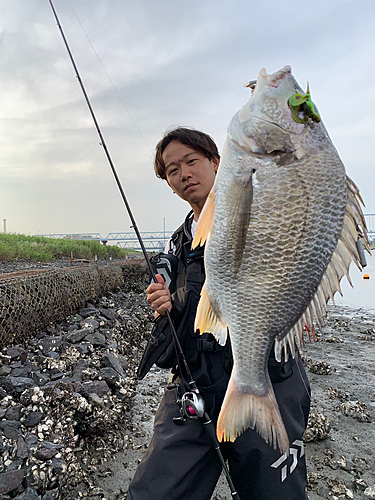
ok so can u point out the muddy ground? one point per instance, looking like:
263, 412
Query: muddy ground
342, 463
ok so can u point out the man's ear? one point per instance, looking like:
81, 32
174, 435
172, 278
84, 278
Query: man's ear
216, 161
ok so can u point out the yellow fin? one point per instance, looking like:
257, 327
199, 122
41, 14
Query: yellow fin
205, 221
207, 321
241, 410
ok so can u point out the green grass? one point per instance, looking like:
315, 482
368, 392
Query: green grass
40, 249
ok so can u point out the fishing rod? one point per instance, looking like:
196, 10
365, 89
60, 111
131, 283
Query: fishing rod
119, 185
192, 402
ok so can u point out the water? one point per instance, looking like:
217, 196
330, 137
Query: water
363, 293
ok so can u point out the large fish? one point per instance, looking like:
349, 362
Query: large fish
281, 224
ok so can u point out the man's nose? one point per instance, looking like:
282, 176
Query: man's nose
185, 172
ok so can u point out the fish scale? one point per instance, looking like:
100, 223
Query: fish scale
280, 235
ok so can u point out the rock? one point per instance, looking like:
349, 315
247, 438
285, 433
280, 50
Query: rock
50, 446
110, 376
13, 413
75, 318
84, 347
53, 355
56, 374
51, 495
20, 372
71, 328
40, 378
16, 385
28, 494
58, 466
5, 370
26, 396
48, 344
88, 311
45, 453
123, 360
78, 387
76, 336
9, 481
31, 441
96, 339
33, 418
99, 387
15, 364
17, 353
3, 393
10, 429
113, 346
112, 361
16, 465
89, 323
22, 448
108, 313
81, 366
96, 400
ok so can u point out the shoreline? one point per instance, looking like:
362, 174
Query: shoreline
103, 458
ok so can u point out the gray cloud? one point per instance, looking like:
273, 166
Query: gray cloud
172, 63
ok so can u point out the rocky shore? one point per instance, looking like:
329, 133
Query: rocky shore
65, 399
74, 422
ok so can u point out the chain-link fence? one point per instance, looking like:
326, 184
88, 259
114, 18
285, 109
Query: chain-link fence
31, 300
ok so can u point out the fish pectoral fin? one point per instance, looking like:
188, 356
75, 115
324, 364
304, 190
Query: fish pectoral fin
241, 410
207, 321
205, 221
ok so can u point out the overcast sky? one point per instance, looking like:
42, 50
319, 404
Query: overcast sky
172, 62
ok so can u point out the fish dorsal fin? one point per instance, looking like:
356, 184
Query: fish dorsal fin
205, 221
207, 321
345, 253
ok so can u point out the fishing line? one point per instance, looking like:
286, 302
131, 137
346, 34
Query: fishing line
303, 380
134, 224
109, 78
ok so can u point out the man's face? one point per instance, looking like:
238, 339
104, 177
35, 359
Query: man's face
190, 174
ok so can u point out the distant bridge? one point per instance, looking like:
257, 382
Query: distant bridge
156, 241
153, 241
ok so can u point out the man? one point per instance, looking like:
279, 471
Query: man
180, 463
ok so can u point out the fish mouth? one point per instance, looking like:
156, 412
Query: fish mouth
275, 79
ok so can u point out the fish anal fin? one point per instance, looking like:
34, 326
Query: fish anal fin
207, 321
241, 411
205, 221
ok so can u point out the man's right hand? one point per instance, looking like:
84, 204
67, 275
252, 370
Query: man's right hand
159, 297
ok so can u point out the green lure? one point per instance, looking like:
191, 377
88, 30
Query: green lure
303, 102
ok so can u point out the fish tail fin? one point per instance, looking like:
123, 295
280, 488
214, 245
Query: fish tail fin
242, 410
207, 321
205, 221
